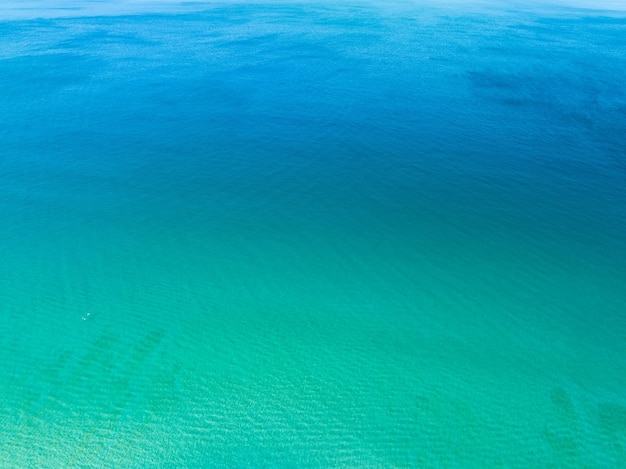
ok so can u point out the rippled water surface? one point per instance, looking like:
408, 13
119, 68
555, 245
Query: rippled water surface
312, 235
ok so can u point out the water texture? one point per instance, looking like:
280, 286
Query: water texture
312, 235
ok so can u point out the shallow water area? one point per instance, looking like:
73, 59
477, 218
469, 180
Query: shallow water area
312, 234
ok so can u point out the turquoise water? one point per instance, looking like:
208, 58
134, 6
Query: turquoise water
312, 235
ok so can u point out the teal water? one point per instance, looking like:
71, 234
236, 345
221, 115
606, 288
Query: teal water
312, 235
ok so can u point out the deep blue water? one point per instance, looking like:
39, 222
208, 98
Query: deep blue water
325, 235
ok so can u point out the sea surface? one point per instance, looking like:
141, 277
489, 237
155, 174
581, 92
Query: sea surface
297, 234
